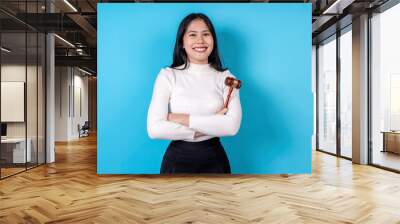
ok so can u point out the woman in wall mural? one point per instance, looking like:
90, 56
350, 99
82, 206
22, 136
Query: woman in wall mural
190, 103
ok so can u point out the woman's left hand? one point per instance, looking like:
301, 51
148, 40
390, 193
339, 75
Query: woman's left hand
182, 119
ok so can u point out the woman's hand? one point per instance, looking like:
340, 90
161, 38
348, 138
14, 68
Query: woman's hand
198, 134
222, 111
182, 119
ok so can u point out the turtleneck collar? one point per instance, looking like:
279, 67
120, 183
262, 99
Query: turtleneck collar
199, 67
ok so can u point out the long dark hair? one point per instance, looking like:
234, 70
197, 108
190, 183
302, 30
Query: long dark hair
180, 57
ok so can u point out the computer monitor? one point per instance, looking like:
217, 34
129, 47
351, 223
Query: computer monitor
3, 129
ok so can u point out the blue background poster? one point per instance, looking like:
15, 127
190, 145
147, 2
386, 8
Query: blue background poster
267, 46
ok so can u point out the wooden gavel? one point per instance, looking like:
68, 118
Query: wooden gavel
232, 83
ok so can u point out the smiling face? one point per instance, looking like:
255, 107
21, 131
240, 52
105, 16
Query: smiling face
198, 42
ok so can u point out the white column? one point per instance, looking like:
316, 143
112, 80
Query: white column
360, 90
50, 100
50, 92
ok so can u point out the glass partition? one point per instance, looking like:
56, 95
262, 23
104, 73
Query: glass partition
22, 77
14, 153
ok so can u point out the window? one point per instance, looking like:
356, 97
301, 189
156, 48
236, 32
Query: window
385, 88
327, 95
346, 92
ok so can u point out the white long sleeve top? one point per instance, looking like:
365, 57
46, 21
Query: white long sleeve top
199, 91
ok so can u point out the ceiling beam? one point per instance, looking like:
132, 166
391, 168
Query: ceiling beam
83, 61
84, 24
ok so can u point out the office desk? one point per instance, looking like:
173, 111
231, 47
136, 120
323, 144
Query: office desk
15, 148
391, 141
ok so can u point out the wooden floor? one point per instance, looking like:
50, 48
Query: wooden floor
387, 159
5, 172
70, 191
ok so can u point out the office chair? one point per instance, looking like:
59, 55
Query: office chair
84, 130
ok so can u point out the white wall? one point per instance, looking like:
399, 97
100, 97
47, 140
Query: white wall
79, 112
71, 87
62, 81
33, 127
15, 72
11, 73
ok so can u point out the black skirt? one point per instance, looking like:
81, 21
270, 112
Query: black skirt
195, 157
